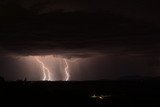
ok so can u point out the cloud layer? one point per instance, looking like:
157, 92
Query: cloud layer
76, 32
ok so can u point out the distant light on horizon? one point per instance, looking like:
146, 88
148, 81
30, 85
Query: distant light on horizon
100, 96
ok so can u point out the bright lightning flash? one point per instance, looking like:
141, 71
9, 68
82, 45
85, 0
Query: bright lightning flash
47, 73
66, 70
45, 70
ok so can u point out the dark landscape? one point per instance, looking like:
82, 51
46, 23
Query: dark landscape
76, 93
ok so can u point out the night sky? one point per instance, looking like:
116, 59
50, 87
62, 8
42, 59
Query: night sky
113, 39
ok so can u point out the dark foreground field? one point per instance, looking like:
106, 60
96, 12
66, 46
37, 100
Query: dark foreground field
83, 94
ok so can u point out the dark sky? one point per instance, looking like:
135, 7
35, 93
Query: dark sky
126, 31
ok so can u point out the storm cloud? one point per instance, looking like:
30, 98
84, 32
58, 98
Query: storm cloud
50, 26
76, 32
119, 37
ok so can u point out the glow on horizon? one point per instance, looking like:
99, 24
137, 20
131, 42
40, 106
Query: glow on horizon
50, 67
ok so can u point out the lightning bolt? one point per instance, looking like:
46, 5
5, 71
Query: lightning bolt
47, 75
66, 70
45, 70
